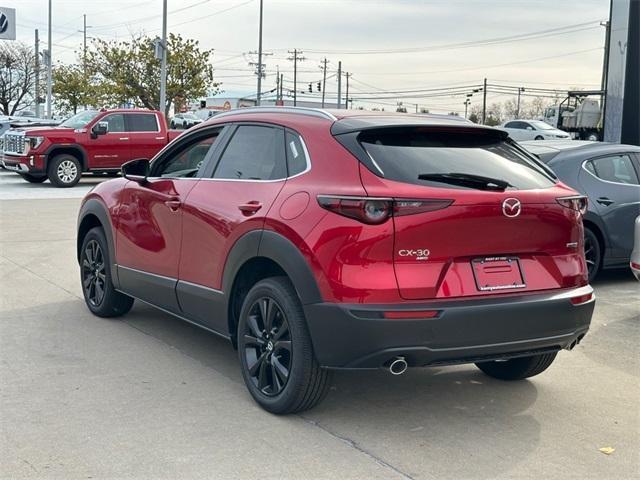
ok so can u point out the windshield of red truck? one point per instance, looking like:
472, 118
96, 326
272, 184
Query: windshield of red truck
80, 120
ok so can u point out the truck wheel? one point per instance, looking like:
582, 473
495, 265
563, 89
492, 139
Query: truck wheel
517, 368
99, 293
276, 355
33, 178
64, 171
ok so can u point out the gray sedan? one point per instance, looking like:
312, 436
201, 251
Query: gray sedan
609, 175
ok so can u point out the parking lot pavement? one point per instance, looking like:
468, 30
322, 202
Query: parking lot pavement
150, 396
13, 187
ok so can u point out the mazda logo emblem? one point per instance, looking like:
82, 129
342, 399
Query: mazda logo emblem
4, 23
511, 207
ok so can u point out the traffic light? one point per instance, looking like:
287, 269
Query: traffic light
310, 88
319, 86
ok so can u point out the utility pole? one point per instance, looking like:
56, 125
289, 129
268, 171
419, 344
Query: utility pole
296, 58
49, 67
163, 62
259, 93
37, 72
281, 86
346, 101
324, 78
520, 90
84, 39
484, 102
605, 59
277, 83
466, 106
339, 85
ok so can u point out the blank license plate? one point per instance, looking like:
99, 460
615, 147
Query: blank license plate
497, 273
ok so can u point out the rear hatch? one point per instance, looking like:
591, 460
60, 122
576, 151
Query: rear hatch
474, 214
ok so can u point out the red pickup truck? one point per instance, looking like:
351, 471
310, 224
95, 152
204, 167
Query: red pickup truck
97, 141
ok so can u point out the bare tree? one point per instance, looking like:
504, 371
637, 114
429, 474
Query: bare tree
17, 77
535, 108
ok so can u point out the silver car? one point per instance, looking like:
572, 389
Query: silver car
635, 255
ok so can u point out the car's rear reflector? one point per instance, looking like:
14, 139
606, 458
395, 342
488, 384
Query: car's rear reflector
579, 300
411, 314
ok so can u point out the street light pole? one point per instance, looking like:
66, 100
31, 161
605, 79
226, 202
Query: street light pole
49, 67
259, 94
163, 65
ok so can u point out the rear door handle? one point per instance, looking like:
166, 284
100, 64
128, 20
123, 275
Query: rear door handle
173, 204
250, 208
605, 201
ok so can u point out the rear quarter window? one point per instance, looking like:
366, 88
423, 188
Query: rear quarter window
403, 154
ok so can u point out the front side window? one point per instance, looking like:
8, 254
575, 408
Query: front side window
614, 168
253, 153
449, 159
187, 159
115, 122
142, 122
512, 125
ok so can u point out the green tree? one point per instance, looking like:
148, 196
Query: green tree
129, 71
72, 88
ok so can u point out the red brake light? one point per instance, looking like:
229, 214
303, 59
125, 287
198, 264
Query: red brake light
374, 211
576, 202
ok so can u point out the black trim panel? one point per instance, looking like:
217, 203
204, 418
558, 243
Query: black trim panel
154, 289
204, 305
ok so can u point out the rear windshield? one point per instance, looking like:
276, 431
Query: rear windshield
405, 155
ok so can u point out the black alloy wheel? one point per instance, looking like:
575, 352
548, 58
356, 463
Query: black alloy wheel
93, 273
592, 254
267, 346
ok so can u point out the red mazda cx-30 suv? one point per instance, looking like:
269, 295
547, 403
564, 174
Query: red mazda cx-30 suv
319, 240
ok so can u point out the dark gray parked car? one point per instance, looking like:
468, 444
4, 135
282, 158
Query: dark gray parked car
608, 174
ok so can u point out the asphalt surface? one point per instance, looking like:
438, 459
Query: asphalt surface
149, 396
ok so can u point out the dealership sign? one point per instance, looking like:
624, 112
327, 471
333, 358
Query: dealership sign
7, 23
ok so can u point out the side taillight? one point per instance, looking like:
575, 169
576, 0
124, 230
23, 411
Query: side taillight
576, 202
374, 211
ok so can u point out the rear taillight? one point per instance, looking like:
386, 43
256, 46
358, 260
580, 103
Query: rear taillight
410, 314
576, 202
374, 211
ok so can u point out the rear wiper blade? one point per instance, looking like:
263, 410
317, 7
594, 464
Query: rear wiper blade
466, 179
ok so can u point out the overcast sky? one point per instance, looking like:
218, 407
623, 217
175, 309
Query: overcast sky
420, 29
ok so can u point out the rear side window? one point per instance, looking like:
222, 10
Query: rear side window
253, 153
407, 154
142, 122
296, 154
615, 168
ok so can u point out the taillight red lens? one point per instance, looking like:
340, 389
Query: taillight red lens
374, 211
410, 314
576, 202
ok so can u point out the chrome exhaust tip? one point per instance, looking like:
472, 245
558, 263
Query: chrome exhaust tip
398, 366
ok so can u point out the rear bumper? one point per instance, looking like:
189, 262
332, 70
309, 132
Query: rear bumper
465, 331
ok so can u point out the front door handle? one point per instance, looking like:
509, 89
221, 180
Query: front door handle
605, 201
250, 208
123, 138
173, 204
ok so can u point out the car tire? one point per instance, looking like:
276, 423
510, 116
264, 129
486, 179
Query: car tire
539, 137
278, 363
592, 253
64, 171
33, 178
95, 275
518, 368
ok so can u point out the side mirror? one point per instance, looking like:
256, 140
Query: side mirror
137, 170
100, 128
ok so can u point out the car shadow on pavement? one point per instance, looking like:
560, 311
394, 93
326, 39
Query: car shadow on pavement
458, 403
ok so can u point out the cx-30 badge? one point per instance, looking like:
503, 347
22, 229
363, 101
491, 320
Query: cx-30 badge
511, 207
